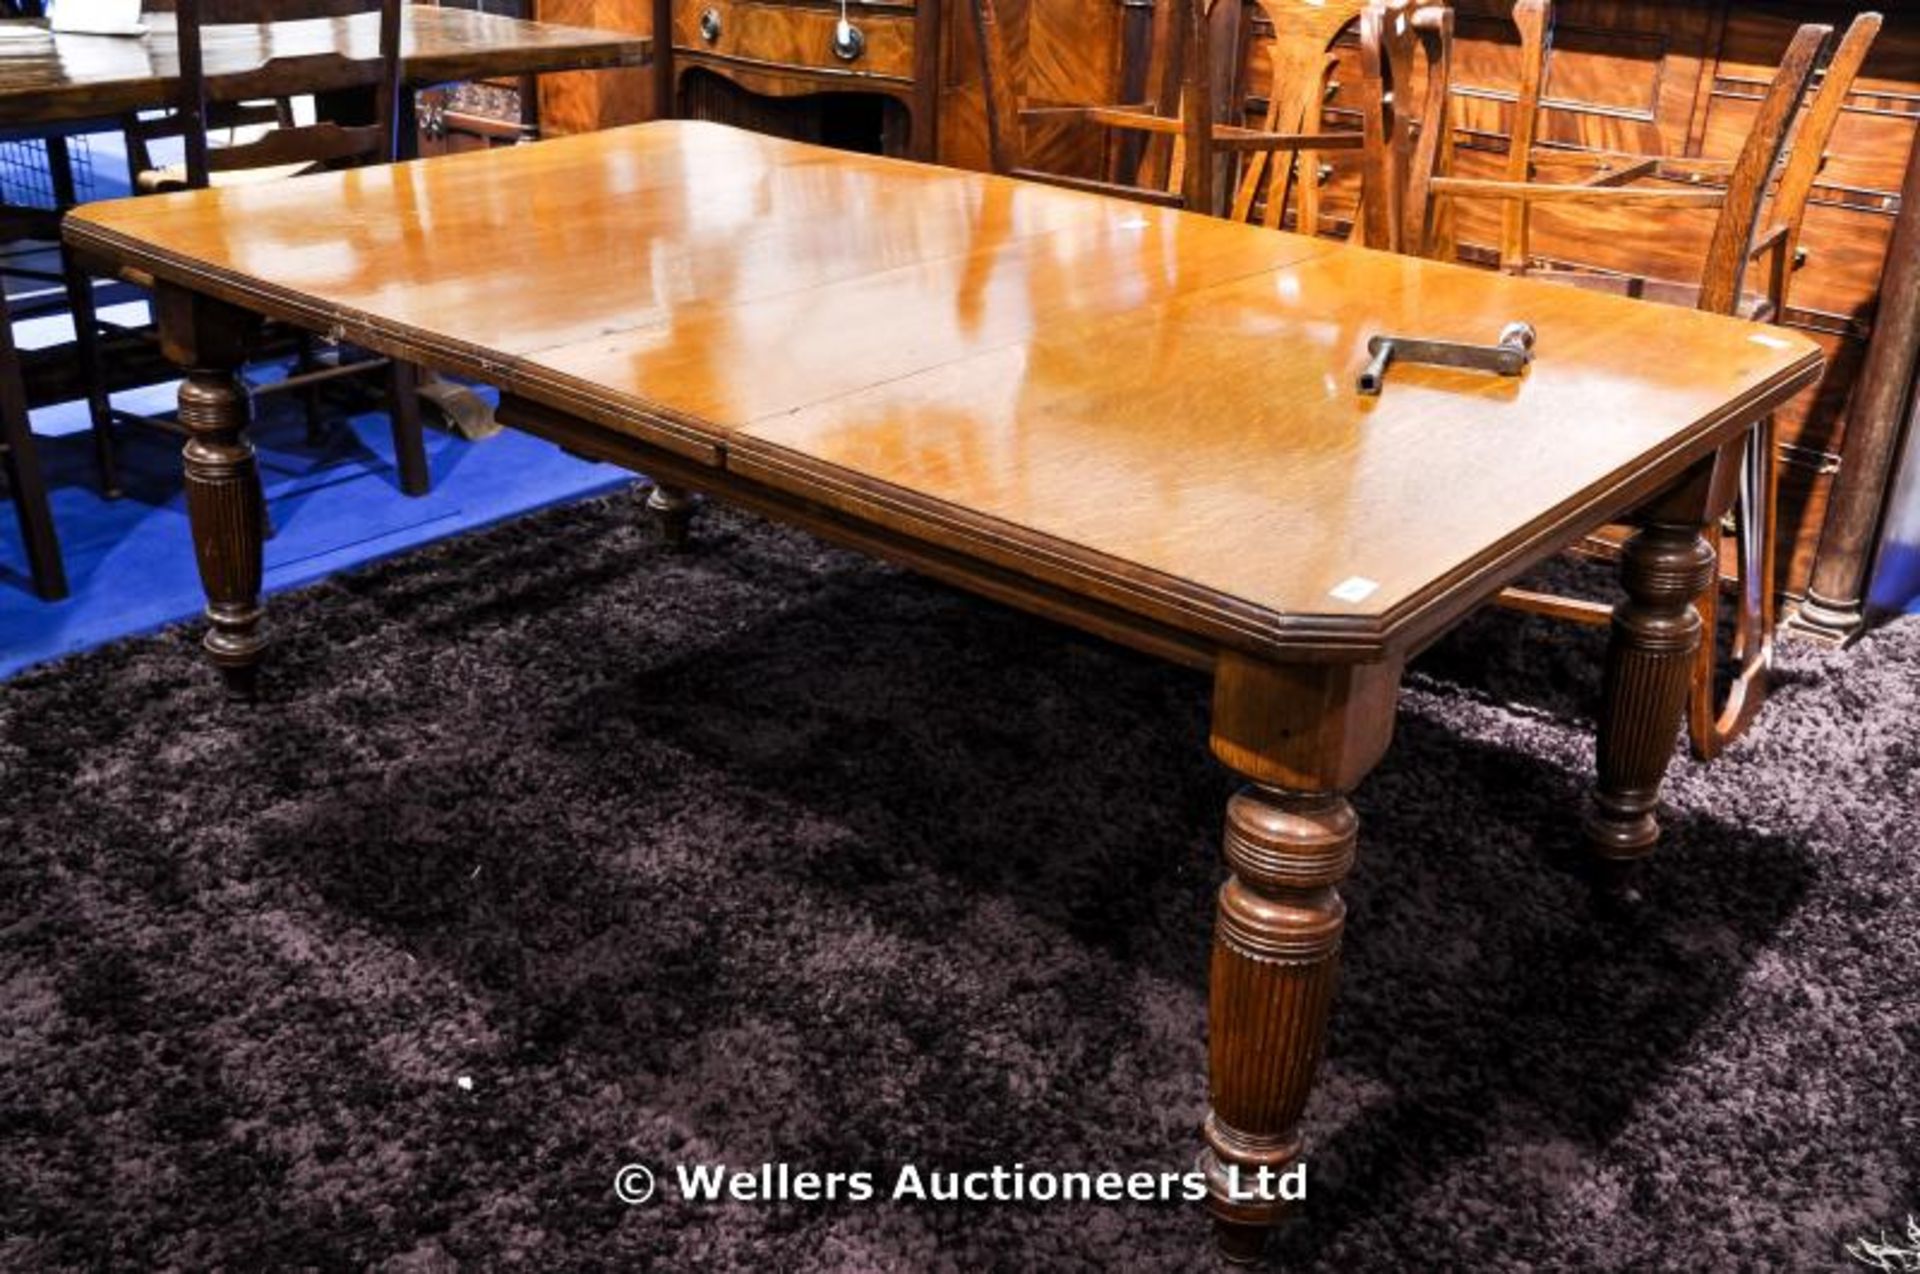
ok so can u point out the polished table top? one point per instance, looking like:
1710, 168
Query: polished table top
1147, 407
49, 78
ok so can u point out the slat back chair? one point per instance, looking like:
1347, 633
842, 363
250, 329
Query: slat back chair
1779, 238
1179, 167
1180, 55
18, 456
324, 143
1713, 721
1739, 237
1778, 241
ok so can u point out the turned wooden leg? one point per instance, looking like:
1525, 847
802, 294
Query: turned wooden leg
224, 502
1656, 632
1276, 957
1303, 736
673, 506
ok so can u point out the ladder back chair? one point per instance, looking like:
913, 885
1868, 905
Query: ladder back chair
205, 103
1741, 236
285, 145
1178, 167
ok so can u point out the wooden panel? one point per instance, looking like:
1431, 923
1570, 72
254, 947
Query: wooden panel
1063, 52
581, 101
1283, 486
778, 36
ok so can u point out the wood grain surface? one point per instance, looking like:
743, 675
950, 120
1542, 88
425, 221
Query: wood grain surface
1148, 408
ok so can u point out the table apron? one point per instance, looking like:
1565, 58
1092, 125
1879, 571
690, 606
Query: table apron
599, 442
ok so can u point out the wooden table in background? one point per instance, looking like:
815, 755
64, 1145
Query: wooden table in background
68, 77
75, 83
1136, 421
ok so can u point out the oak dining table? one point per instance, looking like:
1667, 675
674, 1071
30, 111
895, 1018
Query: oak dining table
1140, 422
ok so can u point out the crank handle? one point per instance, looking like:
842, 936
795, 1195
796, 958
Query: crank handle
1509, 357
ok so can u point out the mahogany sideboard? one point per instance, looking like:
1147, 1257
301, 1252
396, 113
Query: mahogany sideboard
1675, 77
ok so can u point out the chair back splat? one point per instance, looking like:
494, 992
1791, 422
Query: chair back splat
325, 143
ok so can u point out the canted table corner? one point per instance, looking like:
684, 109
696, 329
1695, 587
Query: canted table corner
1136, 421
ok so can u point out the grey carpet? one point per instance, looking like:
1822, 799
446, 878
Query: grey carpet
769, 853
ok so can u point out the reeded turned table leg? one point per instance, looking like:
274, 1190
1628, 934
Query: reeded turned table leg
1656, 633
224, 502
1276, 957
1303, 736
673, 506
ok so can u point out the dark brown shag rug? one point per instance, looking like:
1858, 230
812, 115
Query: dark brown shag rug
549, 852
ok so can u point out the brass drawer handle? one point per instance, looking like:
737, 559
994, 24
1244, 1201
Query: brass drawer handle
848, 42
710, 25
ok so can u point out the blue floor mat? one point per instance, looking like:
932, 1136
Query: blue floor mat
333, 506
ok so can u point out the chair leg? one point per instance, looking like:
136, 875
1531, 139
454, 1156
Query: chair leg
24, 479
1713, 722
409, 444
86, 325
309, 394
86, 341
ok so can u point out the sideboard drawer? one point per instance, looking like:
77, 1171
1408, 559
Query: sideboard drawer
773, 35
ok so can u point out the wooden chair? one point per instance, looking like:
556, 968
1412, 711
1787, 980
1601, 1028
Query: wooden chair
1179, 166
1778, 241
285, 150
1740, 237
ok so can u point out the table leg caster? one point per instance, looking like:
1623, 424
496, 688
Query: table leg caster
673, 506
